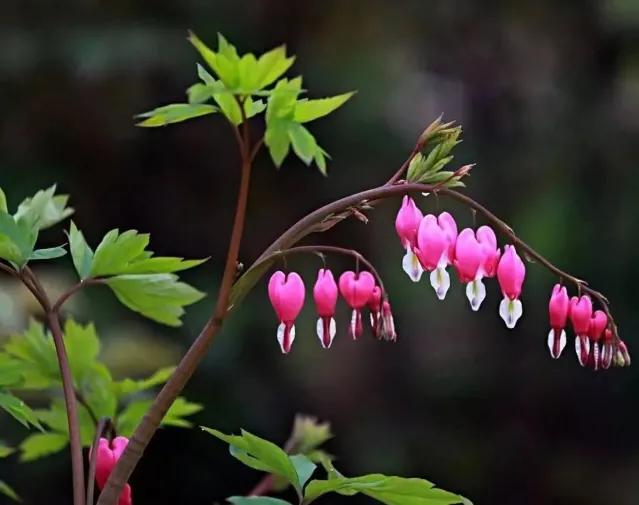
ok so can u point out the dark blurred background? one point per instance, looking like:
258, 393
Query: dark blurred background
548, 94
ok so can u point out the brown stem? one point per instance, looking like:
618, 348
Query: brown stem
332, 249
83, 401
73, 290
101, 426
187, 366
77, 462
402, 169
7, 269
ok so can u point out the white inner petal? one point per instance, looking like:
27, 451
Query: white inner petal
332, 329
510, 311
440, 280
551, 343
281, 330
582, 349
476, 293
411, 265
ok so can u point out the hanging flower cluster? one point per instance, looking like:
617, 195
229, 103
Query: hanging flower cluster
108, 453
358, 289
433, 243
595, 344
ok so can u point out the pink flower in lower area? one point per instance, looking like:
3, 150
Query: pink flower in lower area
607, 349
325, 295
375, 306
469, 257
511, 272
406, 225
558, 309
580, 315
598, 324
388, 323
356, 289
488, 241
436, 238
108, 453
287, 297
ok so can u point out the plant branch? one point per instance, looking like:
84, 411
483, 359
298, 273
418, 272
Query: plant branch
64, 297
83, 401
189, 363
32, 283
7, 269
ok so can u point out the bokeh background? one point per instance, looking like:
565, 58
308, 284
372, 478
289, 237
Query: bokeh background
548, 94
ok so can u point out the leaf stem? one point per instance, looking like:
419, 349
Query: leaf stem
64, 297
102, 425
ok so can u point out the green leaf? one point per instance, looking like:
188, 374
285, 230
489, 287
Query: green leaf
41, 444
117, 250
17, 239
277, 140
174, 113
283, 98
256, 500
19, 410
35, 351
160, 297
55, 417
303, 142
386, 489
259, 454
3, 202
225, 63
133, 413
43, 210
309, 110
5, 450
180, 409
303, 466
11, 371
48, 253
131, 386
272, 65
309, 433
6, 490
81, 253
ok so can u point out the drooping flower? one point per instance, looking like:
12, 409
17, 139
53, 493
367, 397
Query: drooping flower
388, 323
375, 306
486, 237
406, 225
580, 315
287, 297
356, 289
436, 238
469, 257
622, 358
511, 272
598, 324
558, 309
607, 349
325, 295
108, 453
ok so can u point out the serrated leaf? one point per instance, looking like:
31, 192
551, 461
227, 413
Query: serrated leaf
81, 253
160, 264
3, 202
133, 413
259, 454
174, 113
256, 500
41, 444
117, 250
272, 65
160, 297
43, 210
180, 409
19, 410
48, 253
282, 100
386, 489
17, 239
10, 371
309, 433
309, 110
131, 386
224, 62
6, 490
278, 141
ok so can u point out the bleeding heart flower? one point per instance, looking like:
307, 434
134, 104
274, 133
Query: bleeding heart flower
580, 314
325, 295
406, 225
388, 324
558, 309
607, 349
436, 238
375, 306
598, 324
469, 257
287, 297
511, 272
108, 453
356, 289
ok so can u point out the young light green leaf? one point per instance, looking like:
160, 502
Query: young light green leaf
259, 454
272, 65
5, 450
303, 466
6, 490
41, 444
131, 386
19, 410
256, 500
17, 239
160, 297
174, 113
117, 250
48, 253
133, 413
303, 142
160, 264
386, 489
3, 202
43, 210
180, 409
10, 371
35, 351
225, 62
309, 110
277, 140
81, 253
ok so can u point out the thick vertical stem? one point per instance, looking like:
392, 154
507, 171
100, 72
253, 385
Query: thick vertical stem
77, 461
187, 366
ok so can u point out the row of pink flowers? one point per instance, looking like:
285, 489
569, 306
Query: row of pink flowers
433, 243
359, 290
595, 344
